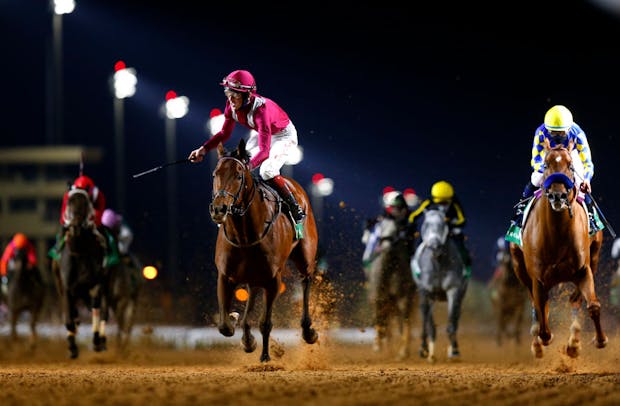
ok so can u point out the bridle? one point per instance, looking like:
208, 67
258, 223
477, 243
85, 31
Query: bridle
240, 210
562, 199
235, 209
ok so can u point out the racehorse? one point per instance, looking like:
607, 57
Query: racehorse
255, 239
439, 273
79, 274
391, 289
508, 298
27, 291
557, 248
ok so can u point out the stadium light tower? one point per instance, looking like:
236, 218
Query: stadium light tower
124, 81
175, 107
55, 130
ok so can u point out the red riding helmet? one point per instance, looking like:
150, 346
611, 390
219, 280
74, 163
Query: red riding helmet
87, 184
20, 241
240, 81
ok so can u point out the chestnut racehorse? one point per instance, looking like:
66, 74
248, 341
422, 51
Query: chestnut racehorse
254, 242
557, 248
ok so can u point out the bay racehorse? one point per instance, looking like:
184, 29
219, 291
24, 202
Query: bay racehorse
79, 272
440, 276
254, 242
391, 289
557, 248
27, 292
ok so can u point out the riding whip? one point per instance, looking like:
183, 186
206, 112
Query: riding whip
180, 161
600, 213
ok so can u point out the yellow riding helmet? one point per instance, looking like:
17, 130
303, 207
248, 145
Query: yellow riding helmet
558, 118
442, 191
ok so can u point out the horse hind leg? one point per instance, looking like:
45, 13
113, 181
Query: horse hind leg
271, 292
309, 334
454, 314
586, 287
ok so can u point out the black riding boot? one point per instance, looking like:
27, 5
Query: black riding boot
279, 184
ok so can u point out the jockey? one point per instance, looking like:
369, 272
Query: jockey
273, 139
443, 197
558, 128
19, 242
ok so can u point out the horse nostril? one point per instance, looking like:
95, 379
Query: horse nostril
564, 196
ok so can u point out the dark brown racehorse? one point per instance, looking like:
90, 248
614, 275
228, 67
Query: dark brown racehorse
79, 273
557, 249
254, 242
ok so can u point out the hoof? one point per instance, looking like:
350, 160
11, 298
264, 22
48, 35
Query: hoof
226, 330
265, 357
573, 351
453, 353
99, 343
73, 348
423, 351
249, 345
310, 335
600, 344
431, 359
536, 348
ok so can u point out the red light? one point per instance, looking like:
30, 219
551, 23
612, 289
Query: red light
171, 94
215, 112
119, 65
388, 189
317, 177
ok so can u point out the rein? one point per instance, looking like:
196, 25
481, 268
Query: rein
239, 210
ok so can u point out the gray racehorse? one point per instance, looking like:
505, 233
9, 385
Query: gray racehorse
391, 289
439, 273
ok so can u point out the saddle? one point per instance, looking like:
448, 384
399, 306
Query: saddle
514, 234
263, 188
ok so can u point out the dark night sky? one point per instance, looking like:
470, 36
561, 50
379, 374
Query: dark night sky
380, 95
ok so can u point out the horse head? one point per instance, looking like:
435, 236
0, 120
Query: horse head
231, 179
78, 215
559, 178
434, 230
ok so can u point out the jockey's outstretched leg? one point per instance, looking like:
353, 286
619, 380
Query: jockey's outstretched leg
279, 184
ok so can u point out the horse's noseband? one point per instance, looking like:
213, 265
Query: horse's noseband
559, 200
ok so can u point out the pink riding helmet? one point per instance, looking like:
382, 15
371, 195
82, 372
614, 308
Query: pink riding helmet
111, 219
240, 81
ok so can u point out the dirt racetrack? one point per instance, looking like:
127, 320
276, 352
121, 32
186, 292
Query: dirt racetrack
327, 373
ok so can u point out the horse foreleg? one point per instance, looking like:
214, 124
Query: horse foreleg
454, 298
308, 333
541, 303
99, 341
573, 347
271, 292
247, 340
586, 286
224, 300
405, 332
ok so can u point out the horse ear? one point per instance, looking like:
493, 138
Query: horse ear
547, 144
571, 145
220, 150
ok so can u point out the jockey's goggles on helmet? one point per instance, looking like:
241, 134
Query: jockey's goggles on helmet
232, 92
